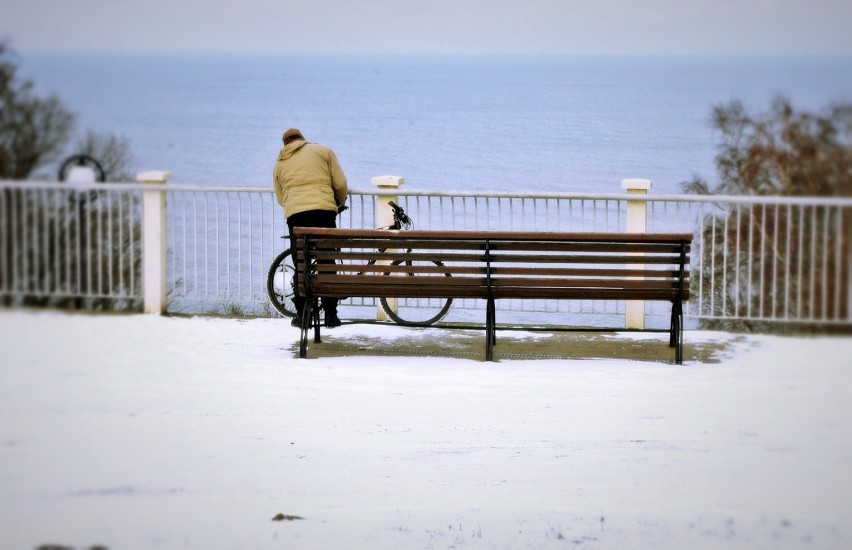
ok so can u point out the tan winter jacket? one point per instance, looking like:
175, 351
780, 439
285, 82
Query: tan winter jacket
307, 176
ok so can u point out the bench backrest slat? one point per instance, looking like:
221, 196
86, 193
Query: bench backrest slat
325, 252
318, 232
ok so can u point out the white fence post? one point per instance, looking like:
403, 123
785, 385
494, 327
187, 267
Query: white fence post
384, 217
154, 241
634, 310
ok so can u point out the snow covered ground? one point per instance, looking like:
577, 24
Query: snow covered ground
139, 431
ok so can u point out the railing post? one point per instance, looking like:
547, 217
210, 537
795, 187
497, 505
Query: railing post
637, 215
154, 241
384, 217
845, 248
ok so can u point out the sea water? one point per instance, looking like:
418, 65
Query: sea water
469, 123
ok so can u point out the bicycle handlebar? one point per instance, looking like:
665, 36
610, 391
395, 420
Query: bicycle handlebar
399, 215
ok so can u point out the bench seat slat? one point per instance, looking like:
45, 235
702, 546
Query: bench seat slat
583, 283
379, 291
480, 279
447, 270
393, 281
437, 286
588, 294
467, 271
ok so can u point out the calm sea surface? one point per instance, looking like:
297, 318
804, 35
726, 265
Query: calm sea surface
448, 123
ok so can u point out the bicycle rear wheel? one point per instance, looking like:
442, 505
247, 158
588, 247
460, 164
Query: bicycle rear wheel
415, 312
279, 284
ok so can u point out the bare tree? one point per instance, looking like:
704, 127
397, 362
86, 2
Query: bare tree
33, 130
112, 152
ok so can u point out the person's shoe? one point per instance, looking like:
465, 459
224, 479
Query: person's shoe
332, 320
296, 322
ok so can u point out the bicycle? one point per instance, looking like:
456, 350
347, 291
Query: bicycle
408, 311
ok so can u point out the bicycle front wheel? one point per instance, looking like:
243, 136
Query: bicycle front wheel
279, 284
415, 312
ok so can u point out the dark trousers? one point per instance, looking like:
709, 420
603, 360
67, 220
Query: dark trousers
310, 218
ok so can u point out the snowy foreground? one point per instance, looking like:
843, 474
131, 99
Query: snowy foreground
141, 431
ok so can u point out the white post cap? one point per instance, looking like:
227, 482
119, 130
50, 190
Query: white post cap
154, 176
636, 185
388, 181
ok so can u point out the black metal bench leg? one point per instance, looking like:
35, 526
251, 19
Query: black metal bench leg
672, 326
307, 312
315, 319
493, 323
490, 330
677, 331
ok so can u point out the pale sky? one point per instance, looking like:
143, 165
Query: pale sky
432, 26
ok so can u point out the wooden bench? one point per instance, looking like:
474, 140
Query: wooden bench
492, 265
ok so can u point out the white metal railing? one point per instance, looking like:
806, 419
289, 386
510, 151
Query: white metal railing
63, 245
755, 259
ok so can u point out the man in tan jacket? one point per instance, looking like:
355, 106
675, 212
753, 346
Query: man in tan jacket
311, 187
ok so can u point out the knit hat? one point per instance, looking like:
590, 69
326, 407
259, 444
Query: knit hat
291, 133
